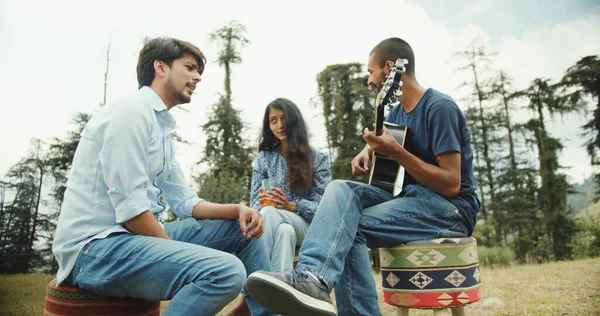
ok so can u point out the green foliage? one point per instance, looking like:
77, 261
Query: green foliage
59, 157
484, 233
227, 155
523, 206
225, 148
543, 98
584, 76
20, 218
542, 251
230, 38
582, 195
496, 257
227, 187
347, 104
483, 122
586, 243
375, 260
590, 212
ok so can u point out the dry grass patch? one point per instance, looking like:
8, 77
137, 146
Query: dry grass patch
23, 294
561, 288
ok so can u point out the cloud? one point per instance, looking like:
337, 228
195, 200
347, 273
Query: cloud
547, 52
56, 63
478, 8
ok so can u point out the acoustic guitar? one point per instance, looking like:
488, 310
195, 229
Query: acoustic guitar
386, 173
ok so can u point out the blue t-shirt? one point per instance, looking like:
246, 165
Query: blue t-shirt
435, 126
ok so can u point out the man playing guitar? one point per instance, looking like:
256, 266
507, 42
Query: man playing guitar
438, 200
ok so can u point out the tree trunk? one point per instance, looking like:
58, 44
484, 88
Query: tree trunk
35, 215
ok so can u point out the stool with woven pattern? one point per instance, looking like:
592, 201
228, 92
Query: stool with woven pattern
431, 274
69, 300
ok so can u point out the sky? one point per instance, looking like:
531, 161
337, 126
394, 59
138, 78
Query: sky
53, 56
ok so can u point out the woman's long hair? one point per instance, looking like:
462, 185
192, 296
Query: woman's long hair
299, 153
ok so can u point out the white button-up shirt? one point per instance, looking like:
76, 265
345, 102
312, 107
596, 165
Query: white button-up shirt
123, 164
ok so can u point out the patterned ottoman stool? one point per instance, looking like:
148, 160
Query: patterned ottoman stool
69, 300
435, 274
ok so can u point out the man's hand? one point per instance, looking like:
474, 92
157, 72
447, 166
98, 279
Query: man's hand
251, 222
385, 144
443, 178
360, 163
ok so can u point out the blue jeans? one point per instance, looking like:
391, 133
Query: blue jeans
283, 231
353, 217
194, 270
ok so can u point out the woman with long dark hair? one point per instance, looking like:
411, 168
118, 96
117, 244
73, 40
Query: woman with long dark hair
299, 175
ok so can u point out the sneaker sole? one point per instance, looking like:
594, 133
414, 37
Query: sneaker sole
279, 297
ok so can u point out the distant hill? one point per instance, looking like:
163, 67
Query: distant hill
582, 203
592, 211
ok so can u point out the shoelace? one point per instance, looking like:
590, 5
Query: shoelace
297, 274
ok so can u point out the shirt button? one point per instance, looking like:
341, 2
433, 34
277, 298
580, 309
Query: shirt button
80, 269
86, 252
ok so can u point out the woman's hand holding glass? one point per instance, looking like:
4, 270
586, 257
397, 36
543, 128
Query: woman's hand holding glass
276, 197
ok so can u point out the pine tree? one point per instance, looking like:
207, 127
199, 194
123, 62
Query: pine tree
477, 59
226, 152
348, 107
59, 159
584, 76
543, 98
512, 168
21, 217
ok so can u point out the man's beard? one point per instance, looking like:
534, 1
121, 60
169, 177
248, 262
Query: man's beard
374, 88
178, 96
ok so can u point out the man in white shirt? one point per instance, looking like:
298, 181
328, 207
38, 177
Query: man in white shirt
108, 239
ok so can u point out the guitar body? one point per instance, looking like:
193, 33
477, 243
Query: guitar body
386, 173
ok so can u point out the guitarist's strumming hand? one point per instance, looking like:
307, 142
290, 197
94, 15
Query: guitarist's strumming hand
360, 163
385, 144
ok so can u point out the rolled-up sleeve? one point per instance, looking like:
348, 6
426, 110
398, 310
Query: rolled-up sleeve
178, 193
123, 144
258, 174
307, 206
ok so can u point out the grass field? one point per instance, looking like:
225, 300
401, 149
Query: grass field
562, 288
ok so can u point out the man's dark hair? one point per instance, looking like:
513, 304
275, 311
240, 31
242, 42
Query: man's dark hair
165, 49
392, 49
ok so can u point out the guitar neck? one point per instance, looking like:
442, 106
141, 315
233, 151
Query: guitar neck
389, 91
379, 120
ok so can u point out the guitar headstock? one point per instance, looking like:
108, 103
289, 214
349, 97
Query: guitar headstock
389, 92
392, 84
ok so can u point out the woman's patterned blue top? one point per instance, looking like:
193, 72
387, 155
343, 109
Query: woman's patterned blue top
272, 165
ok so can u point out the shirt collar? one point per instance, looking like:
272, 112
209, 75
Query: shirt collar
152, 99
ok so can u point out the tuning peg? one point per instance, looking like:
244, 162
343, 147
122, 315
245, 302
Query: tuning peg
401, 61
